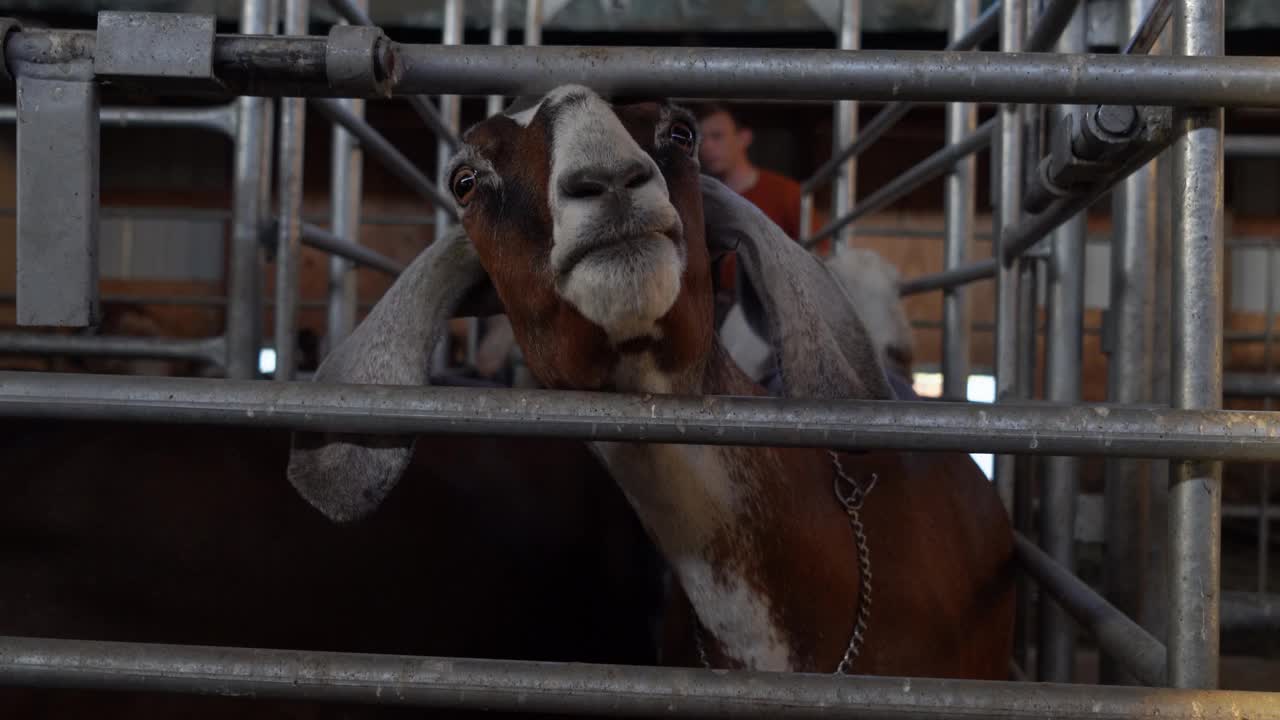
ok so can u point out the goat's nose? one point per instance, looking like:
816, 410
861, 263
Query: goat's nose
594, 181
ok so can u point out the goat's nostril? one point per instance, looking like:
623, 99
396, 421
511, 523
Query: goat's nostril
637, 175
583, 184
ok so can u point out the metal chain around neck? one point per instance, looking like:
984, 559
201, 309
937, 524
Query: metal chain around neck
851, 495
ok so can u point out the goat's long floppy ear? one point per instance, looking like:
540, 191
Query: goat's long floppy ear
346, 476
822, 347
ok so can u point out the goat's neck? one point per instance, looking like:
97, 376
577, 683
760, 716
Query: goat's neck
748, 532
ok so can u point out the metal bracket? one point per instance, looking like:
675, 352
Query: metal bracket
151, 46
360, 61
7, 25
57, 202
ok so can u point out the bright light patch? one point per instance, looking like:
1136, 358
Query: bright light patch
980, 388
267, 361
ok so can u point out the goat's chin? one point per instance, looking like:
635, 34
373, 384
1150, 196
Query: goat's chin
627, 287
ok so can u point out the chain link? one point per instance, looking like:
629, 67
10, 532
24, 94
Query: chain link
851, 495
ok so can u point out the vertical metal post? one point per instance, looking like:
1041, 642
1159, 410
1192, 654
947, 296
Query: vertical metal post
289, 237
450, 111
345, 183
845, 190
1129, 342
1264, 484
962, 119
1195, 488
1008, 211
533, 22
244, 291
1063, 357
806, 214
497, 36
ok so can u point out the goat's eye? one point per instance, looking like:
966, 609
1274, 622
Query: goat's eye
463, 184
682, 136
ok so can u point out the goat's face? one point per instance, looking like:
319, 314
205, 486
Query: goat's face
587, 216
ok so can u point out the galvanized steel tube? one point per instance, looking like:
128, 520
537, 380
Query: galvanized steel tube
249, 174
497, 37
844, 194
1064, 352
558, 688
1008, 211
292, 150
1195, 490
346, 173
533, 23
349, 252
1126, 507
211, 351
959, 203
451, 111
217, 118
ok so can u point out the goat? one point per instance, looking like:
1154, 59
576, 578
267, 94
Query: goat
593, 225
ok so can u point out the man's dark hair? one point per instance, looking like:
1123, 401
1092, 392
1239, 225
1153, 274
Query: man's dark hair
706, 110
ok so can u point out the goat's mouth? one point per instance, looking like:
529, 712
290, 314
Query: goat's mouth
610, 249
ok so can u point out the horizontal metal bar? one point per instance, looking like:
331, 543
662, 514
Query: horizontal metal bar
1118, 636
978, 270
189, 300
218, 118
208, 350
922, 172
296, 66
1251, 385
380, 148
1264, 146
841, 424
612, 690
1244, 611
984, 28
350, 12
1250, 511
321, 239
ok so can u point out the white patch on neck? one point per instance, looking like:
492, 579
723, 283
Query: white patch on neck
685, 497
736, 614
524, 117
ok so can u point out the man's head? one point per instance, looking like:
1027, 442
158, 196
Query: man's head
724, 140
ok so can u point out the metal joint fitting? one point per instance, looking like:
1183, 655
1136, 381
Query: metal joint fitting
146, 47
360, 61
1044, 190
1107, 128
7, 25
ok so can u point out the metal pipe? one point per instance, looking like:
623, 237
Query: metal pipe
451, 111
1264, 482
961, 275
385, 153
355, 12
256, 64
922, 172
292, 150
207, 350
1149, 28
1064, 352
975, 34
532, 23
1033, 429
346, 173
1116, 634
845, 122
1008, 174
558, 688
1259, 146
1261, 385
1126, 509
1053, 20
1195, 488
217, 118
250, 172
325, 240
497, 37
959, 209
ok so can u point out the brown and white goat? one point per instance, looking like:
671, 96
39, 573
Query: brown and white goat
594, 226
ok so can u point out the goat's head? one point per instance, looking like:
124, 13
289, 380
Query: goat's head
595, 228
587, 216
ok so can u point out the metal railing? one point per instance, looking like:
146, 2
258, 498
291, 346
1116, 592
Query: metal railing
1196, 435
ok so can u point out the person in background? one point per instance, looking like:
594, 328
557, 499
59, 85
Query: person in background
723, 155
